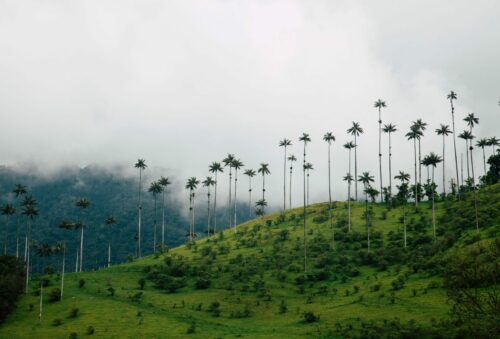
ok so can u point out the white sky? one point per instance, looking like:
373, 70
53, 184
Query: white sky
182, 83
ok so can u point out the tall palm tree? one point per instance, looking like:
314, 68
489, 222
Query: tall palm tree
305, 139
82, 204
27, 201
65, 225
19, 190
453, 96
472, 120
284, 143
228, 162
405, 179
215, 168
366, 179
291, 158
141, 166
237, 164
466, 135
348, 178
164, 182
208, 182
432, 160
329, 138
192, 184
8, 210
308, 166
483, 142
379, 104
110, 221
443, 130
355, 130
30, 211
250, 173
264, 169
390, 129
421, 126
414, 134
155, 188
493, 142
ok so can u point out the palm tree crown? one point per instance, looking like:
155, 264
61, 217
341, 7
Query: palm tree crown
215, 167
390, 128
285, 143
403, 177
443, 130
356, 129
329, 137
264, 169
471, 120
141, 164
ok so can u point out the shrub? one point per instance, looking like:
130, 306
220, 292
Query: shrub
74, 312
111, 291
81, 283
136, 297
310, 317
141, 283
214, 308
203, 283
90, 330
191, 329
55, 295
57, 322
73, 335
283, 308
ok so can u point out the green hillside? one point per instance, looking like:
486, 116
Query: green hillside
249, 282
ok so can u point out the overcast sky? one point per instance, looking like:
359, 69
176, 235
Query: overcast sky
182, 83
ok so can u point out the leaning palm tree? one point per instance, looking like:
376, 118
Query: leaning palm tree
215, 168
164, 182
305, 139
250, 173
82, 204
453, 96
208, 182
141, 166
414, 134
308, 166
390, 129
421, 126
483, 142
155, 188
329, 138
228, 162
403, 189
348, 178
110, 221
30, 211
264, 169
355, 130
19, 190
291, 158
471, 120
379, 104
8, 210
192, 184
284, 143
443, 130
365, 179
237, 164
432, 160
493, 142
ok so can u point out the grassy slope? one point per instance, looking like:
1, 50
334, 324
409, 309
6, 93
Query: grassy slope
169, 315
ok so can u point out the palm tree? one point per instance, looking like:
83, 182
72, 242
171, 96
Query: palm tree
192, 184
66, 225
493, 142
414, 134
8, 210
228, 161
483, 143
432, 160
305, 139
390, 129
443, 130
261, 205
471, 120
453, 96
466, 135
208, 182
380, 104
355, 130
27, 201
19, 190
291, 158
308, 166
250, 173
30, 211
83, 204
110, 221
365, 179
264, 169
141, 165
237, 164
348, 178
214, 168
44, 250
329, 138
284, 143
421, 126
155, 188
404, 178
164, 182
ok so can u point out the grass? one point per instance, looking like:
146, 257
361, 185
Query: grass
341, 300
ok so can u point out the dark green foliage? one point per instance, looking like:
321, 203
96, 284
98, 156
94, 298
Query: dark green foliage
282, 308
203, 283
398, 283
57, 322
55, 295
11, 283
74, 313
214, 308
73, 335
90, 330
136, 297
141, 283
81, 283
111, 291
310, 317
191, 329
493, 175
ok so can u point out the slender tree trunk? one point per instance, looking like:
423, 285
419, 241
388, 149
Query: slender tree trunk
433, 207
284, 182
109, 253
415, 162
27, 258
263, 186
140, 217
191, 216
349, 194
249, 195
194, 233
444, 174
474, 187
235, 199
154, 226
484, 161
163, 217
467, 157
230, 184
454, 141
390, 168
81, 249
208, 212
26, 241
366, 220
307, 187
380, 151
62, 269
17, 236
330, 195
290, 193
419, 164
305, 210
215, 204
462, 167
355, 168
41, 301
76, 262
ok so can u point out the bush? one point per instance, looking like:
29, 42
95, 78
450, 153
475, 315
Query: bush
81, 283
214, 308
55, 295
283, 308
310, 317
74, 312
203, 283
73, 335
141, 283
90, 330
398, 283
191, 329
57, 322
12, 275
111, 291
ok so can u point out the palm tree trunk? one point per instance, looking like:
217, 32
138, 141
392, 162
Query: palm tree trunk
444, 179
27, 258
17, 237
215, 204
305, 209
390, 168
163, 217
26, 241
230, 184
235, 190
308, 187
419, 164
194, 233
249, 195
349, 194
154, 226
284, 182
355, 168
415, 162
484, 161
467, 157
474, 187
76, 263
109, 253
462, 167
62, 269
208, 213
290, 193
263, 186
454, 141
380, 150
433, 207
330, 196
81, 249
191, 212
41, 301
366, 220
140, 217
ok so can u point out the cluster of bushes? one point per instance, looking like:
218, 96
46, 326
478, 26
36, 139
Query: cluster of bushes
11, 283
